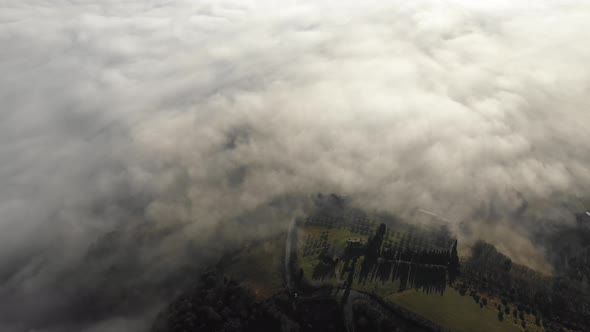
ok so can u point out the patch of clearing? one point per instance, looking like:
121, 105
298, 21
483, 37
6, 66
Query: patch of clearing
456, 313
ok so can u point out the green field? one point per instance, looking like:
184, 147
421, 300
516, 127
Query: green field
336, 237
458, 313
260, 267
450, 311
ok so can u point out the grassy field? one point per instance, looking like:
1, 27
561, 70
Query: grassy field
451, 310
260, 267
336, 238
459, 313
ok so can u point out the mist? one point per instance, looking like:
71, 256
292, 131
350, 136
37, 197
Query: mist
154, 135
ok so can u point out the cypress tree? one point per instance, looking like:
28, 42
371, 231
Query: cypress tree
453, 263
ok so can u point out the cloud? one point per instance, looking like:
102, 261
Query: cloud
187, 115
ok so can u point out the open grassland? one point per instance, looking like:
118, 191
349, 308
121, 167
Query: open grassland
459, 313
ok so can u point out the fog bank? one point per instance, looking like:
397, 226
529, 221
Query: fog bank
181, 127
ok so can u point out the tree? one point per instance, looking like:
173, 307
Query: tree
453, 263
507, 265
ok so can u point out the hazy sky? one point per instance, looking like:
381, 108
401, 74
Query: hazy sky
199, 112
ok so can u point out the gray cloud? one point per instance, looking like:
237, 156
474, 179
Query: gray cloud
187, 115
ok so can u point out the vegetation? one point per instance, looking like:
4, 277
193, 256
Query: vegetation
413, 268
259, 266
400, 274
217, 303
452, 311
331, 246
445, 307
535, 299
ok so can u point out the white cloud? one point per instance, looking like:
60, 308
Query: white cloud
198, 112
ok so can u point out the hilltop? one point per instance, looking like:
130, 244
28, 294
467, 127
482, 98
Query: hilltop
340, 268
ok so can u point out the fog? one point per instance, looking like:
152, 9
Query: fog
212, 122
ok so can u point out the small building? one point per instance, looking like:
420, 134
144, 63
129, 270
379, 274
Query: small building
355, 248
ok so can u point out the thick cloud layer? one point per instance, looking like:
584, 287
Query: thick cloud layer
185, 115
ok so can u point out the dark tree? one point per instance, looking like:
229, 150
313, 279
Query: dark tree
453, 263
